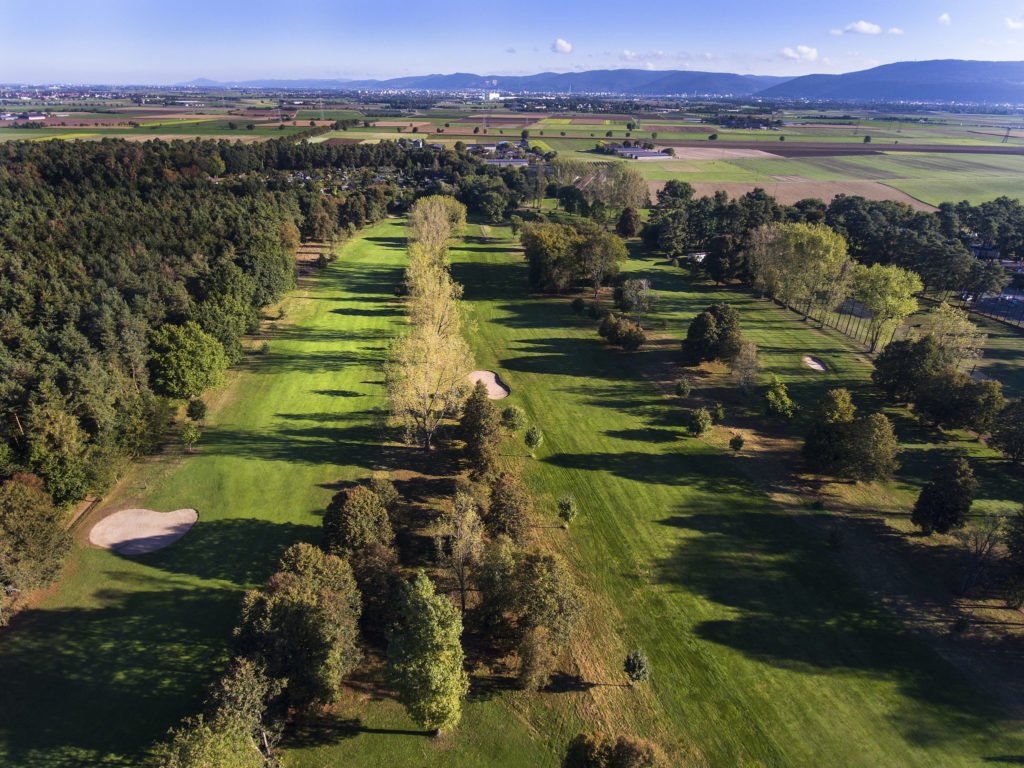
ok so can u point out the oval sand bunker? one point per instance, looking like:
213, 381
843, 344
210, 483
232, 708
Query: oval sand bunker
814, 363
496, 390
137, 531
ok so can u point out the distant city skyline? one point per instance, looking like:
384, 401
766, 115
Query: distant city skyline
120, 42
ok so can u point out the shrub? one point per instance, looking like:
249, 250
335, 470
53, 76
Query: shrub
534, 437
578, 305
567, 508
321, 261
683, 388
513, 418
700, 421
630, 337
190, 435
718, 414
637, 668
736, 442
608, 327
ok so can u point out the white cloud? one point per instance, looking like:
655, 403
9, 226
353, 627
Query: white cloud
801, 53
1017, 23
895, 31
561, 46
862, 28
944, 19
628, 55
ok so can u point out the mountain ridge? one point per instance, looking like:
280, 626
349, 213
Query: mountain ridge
937, 80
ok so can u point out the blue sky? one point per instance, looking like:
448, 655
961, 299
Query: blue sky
150, 41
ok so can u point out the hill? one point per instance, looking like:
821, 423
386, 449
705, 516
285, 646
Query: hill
943, 80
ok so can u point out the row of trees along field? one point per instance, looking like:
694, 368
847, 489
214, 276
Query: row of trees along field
807, 267
130, 272
308, 627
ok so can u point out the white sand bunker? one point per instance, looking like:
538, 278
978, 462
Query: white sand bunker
814, 363
137, 531
496, 390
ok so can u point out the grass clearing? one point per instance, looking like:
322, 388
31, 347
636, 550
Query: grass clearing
763, 652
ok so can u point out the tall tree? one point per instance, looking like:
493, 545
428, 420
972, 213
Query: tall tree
601, 253
354, 518
426, 657
945, 501
186, 361
887, 293
638, 296
461, 541
425, 378
304, 625
480, 429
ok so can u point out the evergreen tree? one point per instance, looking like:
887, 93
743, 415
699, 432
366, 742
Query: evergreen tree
426, 657
510, 506
945, 501
827, 443
629, 223
480, 429
637, 667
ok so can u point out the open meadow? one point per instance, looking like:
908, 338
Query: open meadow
764, 648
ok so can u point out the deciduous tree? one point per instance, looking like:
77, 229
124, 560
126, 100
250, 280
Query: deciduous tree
426, 657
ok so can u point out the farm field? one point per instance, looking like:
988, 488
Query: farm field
759, 642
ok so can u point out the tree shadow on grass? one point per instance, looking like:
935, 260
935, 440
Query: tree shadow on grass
326, 728
791, 607
319, 443
97, 686
244, 551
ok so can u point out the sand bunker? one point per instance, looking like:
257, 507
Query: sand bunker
496, 390
136, 531
814, 363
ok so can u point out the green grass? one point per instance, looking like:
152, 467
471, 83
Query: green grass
763, 652
127, 645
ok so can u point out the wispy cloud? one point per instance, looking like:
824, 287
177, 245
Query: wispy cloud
944, 19
628, 55
561, 46
863, 28
800, 53
895, 31
1017, 23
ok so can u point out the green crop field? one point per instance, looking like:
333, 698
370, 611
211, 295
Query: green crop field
763, 650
